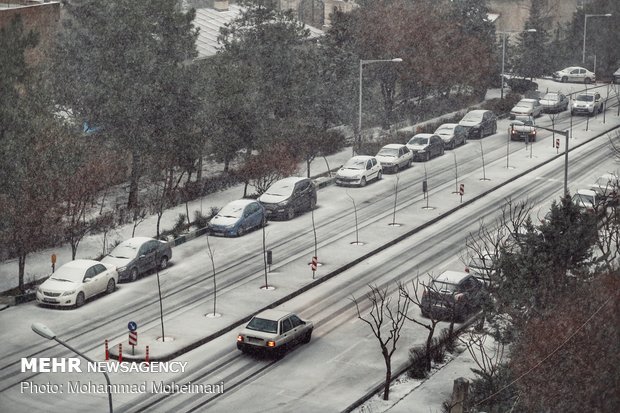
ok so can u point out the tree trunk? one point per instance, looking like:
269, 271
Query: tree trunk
132, 201
308, 162
21, 264
429, 343
159, 214
388, 376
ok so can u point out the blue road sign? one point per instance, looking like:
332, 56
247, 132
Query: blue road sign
132, 326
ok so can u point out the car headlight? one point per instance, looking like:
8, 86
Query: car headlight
121, 269
68, 293
283, 203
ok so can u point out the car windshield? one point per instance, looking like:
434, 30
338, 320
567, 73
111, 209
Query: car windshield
124, 251
69, 273
418, 141
445, 130
264, 325
524, 105
282, 188
231, 211
551, 96
444, 287
585, 98
388, 152
354, 163
523, 120
473, 117
583, 199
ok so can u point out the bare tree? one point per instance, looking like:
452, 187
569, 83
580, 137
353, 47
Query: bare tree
432, 315
487, 357
210, 252
386, 321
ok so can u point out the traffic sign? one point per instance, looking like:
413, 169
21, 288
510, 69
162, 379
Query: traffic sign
132, 326
133, 338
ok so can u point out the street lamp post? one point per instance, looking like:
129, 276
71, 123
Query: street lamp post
359, 118
585, 25
45, 332
504, 34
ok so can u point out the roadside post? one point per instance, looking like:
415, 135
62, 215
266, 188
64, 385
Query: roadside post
53, 258
133, 336
462, 191
313, 265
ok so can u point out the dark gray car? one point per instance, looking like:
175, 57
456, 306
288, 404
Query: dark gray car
288, 197
137, 256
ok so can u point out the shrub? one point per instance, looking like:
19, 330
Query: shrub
500, 106
201, 220
438, 352
417, 360
521, 85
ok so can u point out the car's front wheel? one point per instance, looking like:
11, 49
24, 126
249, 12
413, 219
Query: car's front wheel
306, 338
134, 274
240, 231
363, 181
111, 286
290, 213
163, 263
481, 133
79, 300
379, 176
564, 79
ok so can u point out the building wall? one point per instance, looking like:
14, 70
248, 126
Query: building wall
43, 18
514, 13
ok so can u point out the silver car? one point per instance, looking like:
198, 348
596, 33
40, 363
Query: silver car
394, 157
554, 102
274, 332
526, 107
137, 256
575, 74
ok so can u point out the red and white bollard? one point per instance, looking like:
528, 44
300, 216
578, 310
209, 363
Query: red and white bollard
146, 360
120, 352
107, 351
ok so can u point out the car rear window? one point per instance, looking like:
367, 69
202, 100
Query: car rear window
444, 287
264, 325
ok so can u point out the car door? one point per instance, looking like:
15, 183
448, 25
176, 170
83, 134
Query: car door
537, 109
143, 258
286, 331
573, 76
370, 171
89, 282
437, 144
302, 196
152, 254
100, 278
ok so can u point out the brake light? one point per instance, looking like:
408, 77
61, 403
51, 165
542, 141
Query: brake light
458, 297
271, 343
466, 269
240, 338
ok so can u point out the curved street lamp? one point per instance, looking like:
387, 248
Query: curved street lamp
45, 332
585, 25
504, 34
359, 120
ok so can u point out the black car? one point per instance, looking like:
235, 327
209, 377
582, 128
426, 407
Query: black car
137, 256
288, 197
425, 146
453, 295
479, 123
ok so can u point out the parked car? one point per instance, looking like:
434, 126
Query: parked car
76, 281
425, 146
453, 294
586, 200
136, 256
554, 102
616, 76
237, 218
528, 107
479, 123
394, 157
482, 267
359, 170
587, 103
288, 197
274, 332
452, 135
522, 128
575, 74
607, 187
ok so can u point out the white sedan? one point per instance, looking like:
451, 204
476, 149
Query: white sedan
76, 281
395, 157
359, 170
274, 331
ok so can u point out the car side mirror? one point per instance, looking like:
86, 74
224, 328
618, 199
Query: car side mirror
142, 256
